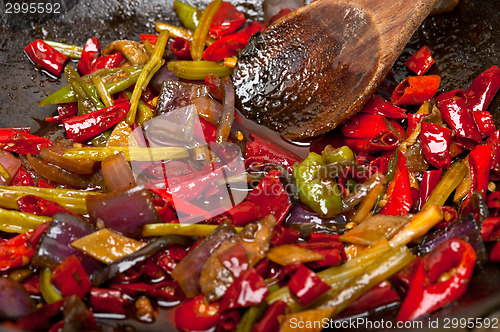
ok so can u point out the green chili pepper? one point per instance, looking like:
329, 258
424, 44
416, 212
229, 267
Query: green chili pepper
102, 138
144, 113
188, 15
49, 293
19, 222
322, 195
71, 51
102, 91
85, 103
332, 155
198, 70
123, 78
201, 32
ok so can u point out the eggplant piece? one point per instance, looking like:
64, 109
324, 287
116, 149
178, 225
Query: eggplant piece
55, 246
15, 302
54, 155
178, 94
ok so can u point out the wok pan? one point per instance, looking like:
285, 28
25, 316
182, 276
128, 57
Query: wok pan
464, 43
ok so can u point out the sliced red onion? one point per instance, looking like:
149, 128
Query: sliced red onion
10, 163
15, 302
117, 173
55, 245
124, 211
465, 229
162, 75
178, 94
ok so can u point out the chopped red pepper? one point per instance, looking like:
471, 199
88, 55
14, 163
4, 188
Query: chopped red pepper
458, 116
484, 122
151, 38
414, 90
436, 142
229, 321
260, 150
480, 165
483, 89
331, 248
40, 206
495, 253
382, 141
247, 290
244, 213
110, 61
22, 178
83, 127
380, 295
21, 142
493, 203
269, 322
494, 142
364, 125
65, 111
306, 285
490, 229
421, 61
378, 105
46, 56
399, 201
205, 132
181, 48
229, 45
90, 54
284, 235
270, 196
413, 121
15, 252
108, 300
226, 20
70, 278
454, 258
196, 314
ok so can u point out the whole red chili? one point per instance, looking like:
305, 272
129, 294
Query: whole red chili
108, 300
436, 142
414, 90
421, 61
89, 55
429, 291
65, 111
181, 48
46, 56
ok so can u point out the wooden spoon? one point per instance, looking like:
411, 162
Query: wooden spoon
314, 68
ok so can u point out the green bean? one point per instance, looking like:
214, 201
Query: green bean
85, 104
198, 70
73, 200
201, 32
148, 47
126, 77
144, 113
102, 138
71, 51
146, 75
448, 183
131, 153
188, 15
200, 230
19, 222
49, 293
179, 32
102, 91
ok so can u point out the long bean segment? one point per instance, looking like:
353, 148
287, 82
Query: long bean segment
71, 51
201, 32
102, 91
448, 183
147, 73
131, 153
180, 229
179, 32
73, 200
198, 70
85, 103
19, 222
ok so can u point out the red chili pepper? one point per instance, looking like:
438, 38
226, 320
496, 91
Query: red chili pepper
427, 292
381, 141
43, 184
306, 285
110, 61
458, 116
247, 290
22, 178
483, 89
399, 201
403, 279
196, 314
493, 203
283, 235
234, 259
436, 142
83, 127
414, 90
213, 82
109, 301
413, 121
421, 61
90, 54
65, 111
380, 106
70, 278
180, 204
21, 142
151, 38
494, 142
229, 45
15, 252
484, 122
244, 213
260, 150
495, 253
229, 321
269, 322
167, 290
226, 20
181, 48
270, 196
490, 229
380, 295
364, 125
281, 13
450, 215
32, 285
42, 318
332, 250
39, 206
205, 132
46, 56
480, 165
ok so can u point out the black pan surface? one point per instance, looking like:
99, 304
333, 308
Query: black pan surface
464, 43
